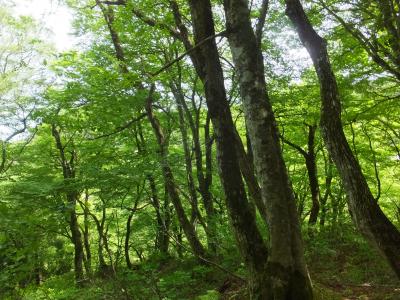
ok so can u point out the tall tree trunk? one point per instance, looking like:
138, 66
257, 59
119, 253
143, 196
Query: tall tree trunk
206, 181
311, 164
188, 166
68, 169
312, 173
162, 238
328, 183
187, 227
204, 190
86, 237
127, 236
179, 99
208, 67
113, 262
365, 211
77, 241
287, 276
103, 267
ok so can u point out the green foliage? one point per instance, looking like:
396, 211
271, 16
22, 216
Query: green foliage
111, 151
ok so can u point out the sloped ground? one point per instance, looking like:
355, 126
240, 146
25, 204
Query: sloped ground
342, 266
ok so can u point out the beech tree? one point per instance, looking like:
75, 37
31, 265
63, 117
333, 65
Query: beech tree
184, 147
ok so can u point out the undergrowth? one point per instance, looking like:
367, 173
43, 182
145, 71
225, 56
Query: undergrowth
342, 266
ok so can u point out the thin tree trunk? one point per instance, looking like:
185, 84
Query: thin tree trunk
77, 241
179, 98
311, 164
204, 187
69, 174
187, 227
86, 237
327, 194
127, 236
365, 211
103, 267
162, 238
188, 165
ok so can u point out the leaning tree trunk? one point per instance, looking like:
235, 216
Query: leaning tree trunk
208, 67
312, 171
328, 187
205, 59
170, 184
126, 242
188, 228
365, 211
210, 227
247, 169
287, 273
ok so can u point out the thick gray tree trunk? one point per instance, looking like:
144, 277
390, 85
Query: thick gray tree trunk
287, 273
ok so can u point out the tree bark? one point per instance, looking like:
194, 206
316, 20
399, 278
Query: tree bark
312, 173
365, 211
162, 239
72, 196
187, 227
127, 236
208, 67
86, 237
210, 229
247, 170
287, 276
311, 164
103, 267
328, 184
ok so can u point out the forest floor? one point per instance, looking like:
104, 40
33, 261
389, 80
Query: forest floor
341, 267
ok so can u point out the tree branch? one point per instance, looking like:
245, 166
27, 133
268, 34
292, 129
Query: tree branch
261, 20
293, 145
120, 128
180, 57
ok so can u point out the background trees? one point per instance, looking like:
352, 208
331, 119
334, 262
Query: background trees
153, 158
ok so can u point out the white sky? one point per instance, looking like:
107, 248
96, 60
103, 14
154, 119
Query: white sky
55, 16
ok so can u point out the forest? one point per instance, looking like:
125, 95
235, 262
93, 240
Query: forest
202, 149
